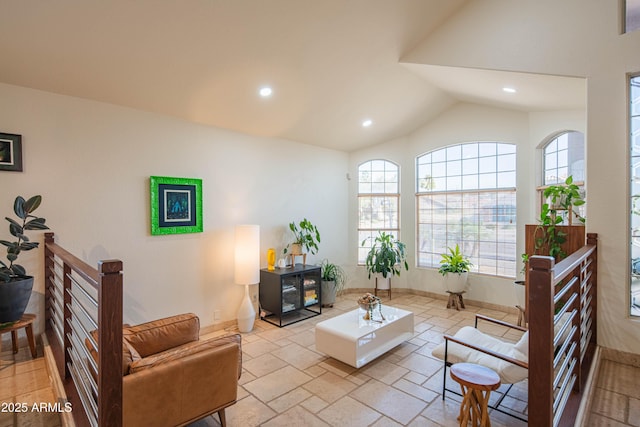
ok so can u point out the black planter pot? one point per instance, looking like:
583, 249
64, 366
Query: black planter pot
14, 297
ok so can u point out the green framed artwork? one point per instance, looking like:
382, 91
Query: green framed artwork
176, 205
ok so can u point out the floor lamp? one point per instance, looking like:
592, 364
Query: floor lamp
247, 271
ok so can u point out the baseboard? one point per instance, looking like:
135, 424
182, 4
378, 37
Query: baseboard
66, 418
582, 417
631, 359
434, 295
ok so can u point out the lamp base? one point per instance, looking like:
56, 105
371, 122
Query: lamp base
246, 313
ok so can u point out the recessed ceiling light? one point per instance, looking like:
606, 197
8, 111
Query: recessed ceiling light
367, 123
509, 89
265, 91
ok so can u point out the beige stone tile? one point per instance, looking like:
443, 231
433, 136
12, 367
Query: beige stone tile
444, 412
248, 412
613, 405
415, 390
276, 334
277, 383
404, 349
421, 421
619, 378
595, 420
348, 412
634, 412
314, 404
415, 377
330, 387
393, 403
259, 347
384, 371
264, 364
315, 370
298, 356
421, 364
431, 335
246, 377
337, 367
289, 400
385, 422
296, 417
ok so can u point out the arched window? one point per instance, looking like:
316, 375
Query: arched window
466, 195
378, 202
564, 157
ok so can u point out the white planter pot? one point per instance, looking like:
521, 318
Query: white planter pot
455, 282
383, 283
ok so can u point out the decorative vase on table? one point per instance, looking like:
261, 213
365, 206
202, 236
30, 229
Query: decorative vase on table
369, 302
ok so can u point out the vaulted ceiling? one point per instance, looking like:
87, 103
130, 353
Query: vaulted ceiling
331, 64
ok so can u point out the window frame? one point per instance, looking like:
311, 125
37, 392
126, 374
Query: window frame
372, 231
477, 212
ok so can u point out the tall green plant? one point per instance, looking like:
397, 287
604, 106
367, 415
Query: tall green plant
562, 198
387, 256
23, 209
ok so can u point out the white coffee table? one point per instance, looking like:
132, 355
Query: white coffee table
356, 342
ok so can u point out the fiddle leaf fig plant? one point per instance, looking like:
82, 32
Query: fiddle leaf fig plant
387, 256
23, 210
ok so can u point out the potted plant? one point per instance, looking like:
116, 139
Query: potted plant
333, 279
306, 236
561, 199
454, 267
15, 284
386, 257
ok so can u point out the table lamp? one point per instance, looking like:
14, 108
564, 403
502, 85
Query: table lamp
247, 271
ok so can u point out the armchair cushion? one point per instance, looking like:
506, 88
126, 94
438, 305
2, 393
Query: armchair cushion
162, 334
508, 372
185, 350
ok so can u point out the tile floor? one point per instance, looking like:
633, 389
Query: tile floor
286, 382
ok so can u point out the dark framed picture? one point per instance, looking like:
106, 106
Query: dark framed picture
10, 152
176, 205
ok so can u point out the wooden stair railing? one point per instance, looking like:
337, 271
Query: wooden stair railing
562, 306
78, 300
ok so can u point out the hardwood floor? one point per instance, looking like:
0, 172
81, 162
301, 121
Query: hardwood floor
26, 395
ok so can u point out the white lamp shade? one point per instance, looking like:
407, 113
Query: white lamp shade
247, 261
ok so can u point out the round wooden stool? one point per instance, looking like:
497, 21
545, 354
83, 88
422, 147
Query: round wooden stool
26, 322
477, 382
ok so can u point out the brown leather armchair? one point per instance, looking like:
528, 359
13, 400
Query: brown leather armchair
171, 378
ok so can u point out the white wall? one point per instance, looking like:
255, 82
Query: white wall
573, 38
92, 161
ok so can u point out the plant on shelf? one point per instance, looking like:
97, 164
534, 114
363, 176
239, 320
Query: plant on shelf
15, 284
387, 256
333, 280
306, 235
561, 199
